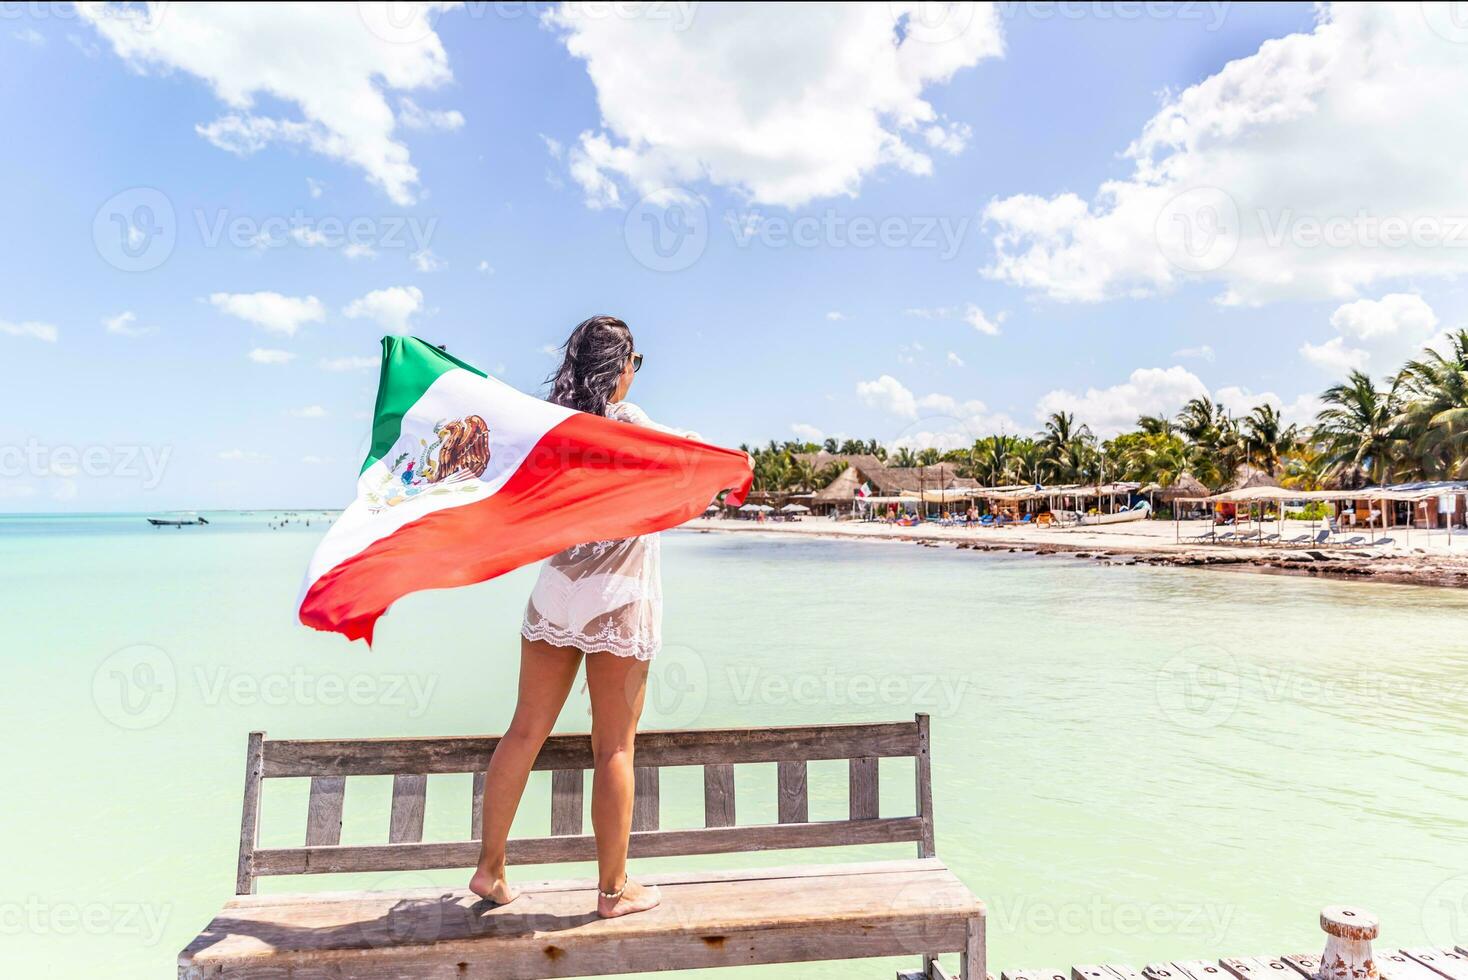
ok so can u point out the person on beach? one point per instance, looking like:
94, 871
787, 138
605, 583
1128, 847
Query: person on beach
602, 602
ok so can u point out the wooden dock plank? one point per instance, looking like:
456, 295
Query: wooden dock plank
1259, 968
1045, 973
1305, 964
1105, 971
1394, 964
1448, 962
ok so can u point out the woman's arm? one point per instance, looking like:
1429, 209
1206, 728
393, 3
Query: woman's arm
628, 412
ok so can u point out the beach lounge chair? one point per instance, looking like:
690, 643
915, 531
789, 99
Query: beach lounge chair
801, 912
1225, 536
1269, 539
1027, 519
1353, 541
1298, 539
1383, 542
1246, 537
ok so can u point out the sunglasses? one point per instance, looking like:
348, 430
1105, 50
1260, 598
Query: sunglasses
636, 363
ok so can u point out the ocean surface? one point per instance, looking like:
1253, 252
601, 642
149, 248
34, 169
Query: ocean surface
1130, 763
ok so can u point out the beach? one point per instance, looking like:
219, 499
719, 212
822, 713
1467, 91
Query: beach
1413, 557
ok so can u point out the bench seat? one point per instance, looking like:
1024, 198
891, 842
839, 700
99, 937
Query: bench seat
707, 919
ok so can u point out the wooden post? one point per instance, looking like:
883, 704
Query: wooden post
244, 882
1348, 935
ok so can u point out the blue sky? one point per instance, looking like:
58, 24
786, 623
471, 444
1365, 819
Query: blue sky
505, 167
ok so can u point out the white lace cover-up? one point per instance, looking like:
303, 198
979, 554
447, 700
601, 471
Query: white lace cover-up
603, 596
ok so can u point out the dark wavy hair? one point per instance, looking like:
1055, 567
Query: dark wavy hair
594, 357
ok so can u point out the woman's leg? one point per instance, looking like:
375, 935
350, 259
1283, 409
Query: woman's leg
546, 675
617, 686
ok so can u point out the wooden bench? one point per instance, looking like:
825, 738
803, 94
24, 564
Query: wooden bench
707, 918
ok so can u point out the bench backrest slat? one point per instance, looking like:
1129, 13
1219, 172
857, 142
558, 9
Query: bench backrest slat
645, 798
568, 788
328, 763
794, 797
865, 799
391, 756
324, 810
718, 795
409, 803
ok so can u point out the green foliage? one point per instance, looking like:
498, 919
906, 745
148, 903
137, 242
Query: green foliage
1414, 427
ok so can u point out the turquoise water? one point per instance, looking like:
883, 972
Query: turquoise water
1130, 763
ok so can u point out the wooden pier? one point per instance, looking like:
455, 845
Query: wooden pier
1348, 955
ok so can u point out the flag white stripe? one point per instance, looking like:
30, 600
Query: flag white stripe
517, 422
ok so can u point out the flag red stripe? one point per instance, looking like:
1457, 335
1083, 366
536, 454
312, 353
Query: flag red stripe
588, 479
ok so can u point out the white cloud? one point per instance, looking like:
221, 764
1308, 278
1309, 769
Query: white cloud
968, 313
835, 315
1227, 181
312, 460
954, 360
266, 355
334, 63
359, 250
30, 36
426, 261
123, 324
1202, 352
350, 363
242, 456
553, 146
485, 267
1240, 401
66, 490
847, 98
271, 311
976, 318
1376, 335
392, 308
308, 412
934, 420
30, 328
413, 116
889, 395
314, 186
806, 433
1148, 391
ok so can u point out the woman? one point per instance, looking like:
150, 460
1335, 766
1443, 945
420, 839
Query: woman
602, 600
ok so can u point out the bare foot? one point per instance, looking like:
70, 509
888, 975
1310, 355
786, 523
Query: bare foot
492, 887
634, 898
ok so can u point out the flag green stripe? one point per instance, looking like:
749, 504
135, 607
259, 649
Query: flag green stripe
409, 367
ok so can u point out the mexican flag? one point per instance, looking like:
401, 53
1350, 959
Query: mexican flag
468, 478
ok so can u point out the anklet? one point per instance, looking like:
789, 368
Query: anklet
613, 896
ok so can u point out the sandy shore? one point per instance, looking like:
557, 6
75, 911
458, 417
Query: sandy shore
1418, 557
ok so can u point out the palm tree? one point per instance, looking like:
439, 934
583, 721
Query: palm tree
1268, 440
904, 457
1156, 425
1432, 422
1199, 420
1355, 427
1064, 444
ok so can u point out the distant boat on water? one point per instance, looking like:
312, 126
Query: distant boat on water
164, 522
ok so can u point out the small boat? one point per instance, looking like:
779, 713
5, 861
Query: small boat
1136, 513
163, 522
